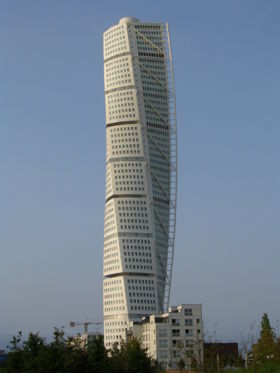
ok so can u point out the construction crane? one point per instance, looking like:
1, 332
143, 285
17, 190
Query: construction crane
85, 324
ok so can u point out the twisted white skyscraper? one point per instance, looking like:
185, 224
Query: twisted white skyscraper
141, 174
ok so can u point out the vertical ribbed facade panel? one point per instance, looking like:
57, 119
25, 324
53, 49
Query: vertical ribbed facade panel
139, 223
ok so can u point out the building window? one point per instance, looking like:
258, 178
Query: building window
162, 343
162, 333
189, 332
175, 322
175, 353
175, 332
188, 312
188, 322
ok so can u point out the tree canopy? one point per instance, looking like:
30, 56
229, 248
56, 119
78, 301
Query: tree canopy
266, 346
68, 355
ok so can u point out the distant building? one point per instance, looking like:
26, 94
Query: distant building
221, 355
86, 339
174, 335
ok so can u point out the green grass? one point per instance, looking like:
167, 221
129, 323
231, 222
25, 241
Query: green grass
267, 368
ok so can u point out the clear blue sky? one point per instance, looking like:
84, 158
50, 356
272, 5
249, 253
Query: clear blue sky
52, 158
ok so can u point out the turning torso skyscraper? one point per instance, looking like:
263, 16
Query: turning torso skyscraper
141, 174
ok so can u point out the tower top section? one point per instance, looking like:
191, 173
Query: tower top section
129, 20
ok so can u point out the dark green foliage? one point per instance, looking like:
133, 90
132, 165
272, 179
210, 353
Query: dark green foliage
265, 368
135, 359
131, 358
68, 356
217, 356
266, 347
181, 364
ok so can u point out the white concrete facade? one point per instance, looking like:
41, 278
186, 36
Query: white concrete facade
141, 174
174, 335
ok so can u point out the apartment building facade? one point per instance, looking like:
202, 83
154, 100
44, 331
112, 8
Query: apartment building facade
174, 335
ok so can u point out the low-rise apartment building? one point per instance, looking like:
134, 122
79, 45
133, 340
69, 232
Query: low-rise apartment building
174, 335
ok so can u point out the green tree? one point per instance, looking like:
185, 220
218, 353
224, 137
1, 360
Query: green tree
32, 352
181, 364
98, 360
15, 358
135, 358
265, 349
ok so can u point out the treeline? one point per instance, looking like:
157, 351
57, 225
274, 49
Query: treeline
68, 355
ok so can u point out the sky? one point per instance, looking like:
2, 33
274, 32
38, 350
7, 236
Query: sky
52, 159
